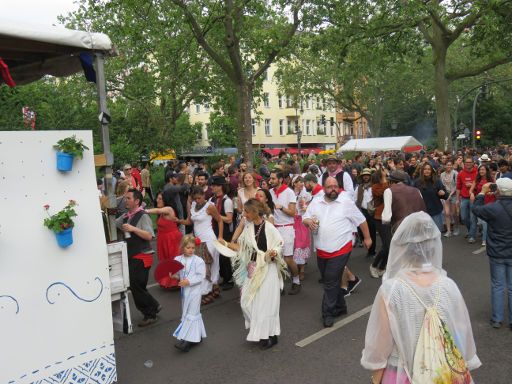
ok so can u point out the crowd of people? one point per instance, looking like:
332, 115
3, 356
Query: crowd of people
254, 228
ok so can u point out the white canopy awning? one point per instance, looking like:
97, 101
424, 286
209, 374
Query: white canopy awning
32, 51
397, 143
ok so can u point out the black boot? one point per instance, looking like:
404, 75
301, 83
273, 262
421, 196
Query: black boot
185, 346
274, 339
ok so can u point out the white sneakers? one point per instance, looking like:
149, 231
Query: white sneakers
374, 272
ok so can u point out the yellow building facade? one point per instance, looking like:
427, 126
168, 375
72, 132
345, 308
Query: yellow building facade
278, 117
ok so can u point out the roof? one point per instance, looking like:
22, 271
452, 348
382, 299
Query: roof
396, 143
32, 50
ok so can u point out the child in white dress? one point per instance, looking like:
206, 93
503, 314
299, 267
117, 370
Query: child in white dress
191, 329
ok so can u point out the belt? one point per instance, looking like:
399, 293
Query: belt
283, 225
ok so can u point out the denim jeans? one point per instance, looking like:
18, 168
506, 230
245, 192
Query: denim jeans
438, 219
501, 279
467, 216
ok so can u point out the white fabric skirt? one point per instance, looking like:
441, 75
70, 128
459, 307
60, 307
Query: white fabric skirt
191, 327
262, 315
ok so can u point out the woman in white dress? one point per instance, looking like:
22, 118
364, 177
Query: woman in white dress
200, 215
259, 269
191, 329
414, 278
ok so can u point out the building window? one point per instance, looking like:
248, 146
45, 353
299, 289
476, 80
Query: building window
268, 128
280, 100
266, 101
319, 127
306, 100
308, 127
289, 127
198, 108
253, 125
289, 102
206, 107
332, 127
281, 127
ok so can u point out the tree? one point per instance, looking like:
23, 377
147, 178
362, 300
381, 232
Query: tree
160, 68
243, 38
373, 77
482, 29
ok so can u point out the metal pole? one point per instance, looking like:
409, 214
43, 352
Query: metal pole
105, 139
474, 117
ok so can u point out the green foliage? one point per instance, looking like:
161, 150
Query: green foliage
222, 130
61, 220
157, 179
72, 146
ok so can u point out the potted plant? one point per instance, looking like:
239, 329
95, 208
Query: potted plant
61, 223
67, 149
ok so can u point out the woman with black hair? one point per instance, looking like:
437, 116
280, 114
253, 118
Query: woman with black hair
168, 234
432, 190
483, 176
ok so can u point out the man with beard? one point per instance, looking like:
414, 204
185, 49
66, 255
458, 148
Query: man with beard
332, 220
138, 232
202, 181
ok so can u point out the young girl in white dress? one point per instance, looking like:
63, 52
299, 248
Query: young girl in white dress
191, 329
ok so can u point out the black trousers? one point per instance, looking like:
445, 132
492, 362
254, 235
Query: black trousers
226, 271
333, 302
381, 260
138, 282
373, 231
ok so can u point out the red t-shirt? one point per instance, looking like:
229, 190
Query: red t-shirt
464, 177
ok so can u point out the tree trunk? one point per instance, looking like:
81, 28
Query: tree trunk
440, 48
244, 102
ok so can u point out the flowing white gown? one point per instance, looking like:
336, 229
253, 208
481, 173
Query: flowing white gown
191, 327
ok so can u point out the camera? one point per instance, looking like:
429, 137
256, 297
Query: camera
493, 187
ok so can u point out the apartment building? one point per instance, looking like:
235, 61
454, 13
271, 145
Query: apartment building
280, 121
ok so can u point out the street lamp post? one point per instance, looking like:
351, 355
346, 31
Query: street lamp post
474, 116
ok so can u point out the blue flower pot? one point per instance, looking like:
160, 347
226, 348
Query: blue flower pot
64, 161
65, 238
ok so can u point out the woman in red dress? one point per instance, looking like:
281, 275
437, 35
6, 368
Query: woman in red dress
168, 236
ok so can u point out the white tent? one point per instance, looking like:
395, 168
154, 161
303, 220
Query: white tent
32, 51
397, 143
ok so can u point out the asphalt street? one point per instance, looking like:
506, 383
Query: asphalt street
149, 356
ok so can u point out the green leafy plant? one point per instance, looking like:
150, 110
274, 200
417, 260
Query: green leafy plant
71, 145
62, 220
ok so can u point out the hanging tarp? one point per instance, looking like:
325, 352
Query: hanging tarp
32, 51
396, 143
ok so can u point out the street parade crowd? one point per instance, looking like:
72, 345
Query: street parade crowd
258, 230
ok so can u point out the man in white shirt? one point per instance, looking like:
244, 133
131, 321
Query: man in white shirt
334, 218
285, 201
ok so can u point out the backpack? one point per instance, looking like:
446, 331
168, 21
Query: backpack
436, 358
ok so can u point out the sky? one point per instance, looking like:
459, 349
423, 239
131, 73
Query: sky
36, 11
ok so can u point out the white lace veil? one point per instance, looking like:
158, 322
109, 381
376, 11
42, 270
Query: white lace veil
415, 246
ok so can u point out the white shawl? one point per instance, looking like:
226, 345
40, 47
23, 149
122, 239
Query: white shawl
248, 246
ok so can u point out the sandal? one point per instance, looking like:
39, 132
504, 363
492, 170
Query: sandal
207, 299
216, 291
